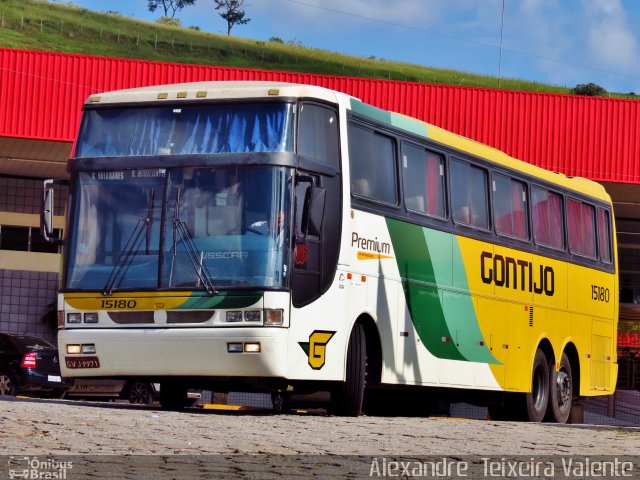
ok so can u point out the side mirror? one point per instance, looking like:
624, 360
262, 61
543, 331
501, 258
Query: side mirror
46, 214
316, 210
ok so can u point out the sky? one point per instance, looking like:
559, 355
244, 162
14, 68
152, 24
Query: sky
560, 42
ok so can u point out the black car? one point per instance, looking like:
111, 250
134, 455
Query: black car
29, 364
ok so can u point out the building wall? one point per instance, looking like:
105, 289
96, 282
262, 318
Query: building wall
28, 277
25, 299
579, 136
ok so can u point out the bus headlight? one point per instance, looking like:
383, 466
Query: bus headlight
252, 316
91, 317
75, 317
273, 316
73, 349
252, 347
234, 316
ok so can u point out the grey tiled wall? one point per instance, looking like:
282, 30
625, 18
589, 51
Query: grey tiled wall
24, 300
23, 195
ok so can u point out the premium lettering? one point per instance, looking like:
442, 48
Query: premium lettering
518, 274
371, 245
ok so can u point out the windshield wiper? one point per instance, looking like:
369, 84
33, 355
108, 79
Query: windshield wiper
131, 248
180, 229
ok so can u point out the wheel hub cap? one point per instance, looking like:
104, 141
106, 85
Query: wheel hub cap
564, 388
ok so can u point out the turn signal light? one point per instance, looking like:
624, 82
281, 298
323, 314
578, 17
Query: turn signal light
273, 316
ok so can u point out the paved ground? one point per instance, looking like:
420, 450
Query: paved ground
33, 427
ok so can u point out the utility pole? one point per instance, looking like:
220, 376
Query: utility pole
500, 60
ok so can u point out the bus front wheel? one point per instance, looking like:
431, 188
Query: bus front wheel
347, 397
538, 399
561, 392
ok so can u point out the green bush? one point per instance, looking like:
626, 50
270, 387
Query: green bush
172, 22
589, 89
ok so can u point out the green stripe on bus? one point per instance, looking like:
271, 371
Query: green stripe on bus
390, 118
371, 112
444, 318
226, 300
409, 124
420, 289
460, 314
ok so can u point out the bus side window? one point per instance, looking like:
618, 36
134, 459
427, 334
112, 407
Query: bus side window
604, 235
423, 174
469, 195
548, 228
510, 207
372, 161
581, 228
318, 134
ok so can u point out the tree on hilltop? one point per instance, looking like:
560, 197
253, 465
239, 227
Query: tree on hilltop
169, 6
232, 12
589, 90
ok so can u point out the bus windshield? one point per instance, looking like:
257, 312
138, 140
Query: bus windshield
185, 130
196, 228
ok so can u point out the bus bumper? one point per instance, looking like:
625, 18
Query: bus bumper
202, 352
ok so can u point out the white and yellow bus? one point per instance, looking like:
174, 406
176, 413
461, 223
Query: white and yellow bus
282, 238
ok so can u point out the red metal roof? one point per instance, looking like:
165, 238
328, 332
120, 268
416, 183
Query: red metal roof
41, 94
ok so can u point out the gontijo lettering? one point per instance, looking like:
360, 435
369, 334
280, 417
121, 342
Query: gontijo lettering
510, 272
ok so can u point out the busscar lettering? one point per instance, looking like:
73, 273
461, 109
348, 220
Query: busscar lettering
517, 274
371, 245
226, 255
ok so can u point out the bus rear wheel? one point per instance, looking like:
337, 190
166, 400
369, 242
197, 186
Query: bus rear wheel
537, 400
347, 397
561, 392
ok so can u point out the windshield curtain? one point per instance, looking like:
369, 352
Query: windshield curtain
223, 227
184, 130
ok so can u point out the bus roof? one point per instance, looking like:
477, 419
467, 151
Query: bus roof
199, 91
215, 90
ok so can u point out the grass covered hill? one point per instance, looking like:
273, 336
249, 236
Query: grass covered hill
40, 25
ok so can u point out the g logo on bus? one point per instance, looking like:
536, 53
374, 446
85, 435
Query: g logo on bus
316, 347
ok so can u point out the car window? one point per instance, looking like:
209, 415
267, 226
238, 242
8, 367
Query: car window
5, 344
32, 343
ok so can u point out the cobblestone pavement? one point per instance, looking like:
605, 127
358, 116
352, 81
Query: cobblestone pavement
33, 427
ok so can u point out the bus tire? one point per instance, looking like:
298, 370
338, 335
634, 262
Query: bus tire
173, 396
561, 392
537, 400
347, 397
